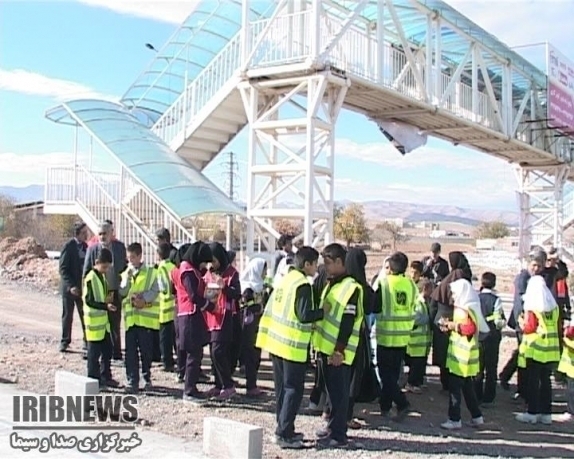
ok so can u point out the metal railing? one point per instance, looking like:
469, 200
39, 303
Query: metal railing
103, 196
202, 89
357, 52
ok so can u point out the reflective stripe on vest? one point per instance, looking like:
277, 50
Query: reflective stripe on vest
566, 365
327, 330
421, 336
543, 346
96, 321
395, 322
280, 332
147, 317
463, 357
166, 299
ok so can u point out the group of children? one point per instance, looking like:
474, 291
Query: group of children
153, 299
474, 345
150, 297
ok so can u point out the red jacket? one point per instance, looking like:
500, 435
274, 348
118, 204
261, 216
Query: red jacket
185, 304
224, 304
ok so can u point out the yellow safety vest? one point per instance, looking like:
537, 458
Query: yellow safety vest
421, 336
463, 357
96, 321
166, 299
147, 317
395, 322
280, 332
566, 365
543, 346
327, 330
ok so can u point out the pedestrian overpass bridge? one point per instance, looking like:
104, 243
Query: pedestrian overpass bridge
283, 71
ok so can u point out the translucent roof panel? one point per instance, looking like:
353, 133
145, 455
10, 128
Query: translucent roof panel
205, 32
177, 184
454, 45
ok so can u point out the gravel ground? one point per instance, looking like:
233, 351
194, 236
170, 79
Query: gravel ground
29, 331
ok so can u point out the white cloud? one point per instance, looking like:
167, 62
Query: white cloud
384, 154
532, 22
36, 84
21, 170
173, 12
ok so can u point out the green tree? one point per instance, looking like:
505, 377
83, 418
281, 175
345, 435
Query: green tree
350, 225
492, 230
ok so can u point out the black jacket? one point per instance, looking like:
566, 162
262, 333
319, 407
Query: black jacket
70, 266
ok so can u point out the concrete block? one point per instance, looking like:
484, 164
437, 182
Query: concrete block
72, 384
226, 439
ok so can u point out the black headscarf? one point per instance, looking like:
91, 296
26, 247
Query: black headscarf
319, 283
460, 269
355, 264
458, 260
198, 253
231, 255
218, 252
181, 253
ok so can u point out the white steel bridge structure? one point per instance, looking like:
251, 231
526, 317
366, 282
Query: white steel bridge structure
284, 70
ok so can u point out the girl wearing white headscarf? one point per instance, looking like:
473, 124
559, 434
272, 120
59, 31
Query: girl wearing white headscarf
463, 352
539, 350
254, 297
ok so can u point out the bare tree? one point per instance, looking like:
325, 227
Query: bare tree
395, 234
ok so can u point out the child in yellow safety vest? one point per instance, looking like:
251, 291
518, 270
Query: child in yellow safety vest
463, 352
420, 340
566, 366
539, 350
166, 306
97, 303
139, 291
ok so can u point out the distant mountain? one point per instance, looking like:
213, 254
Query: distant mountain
374, 210
411, 212
23, 194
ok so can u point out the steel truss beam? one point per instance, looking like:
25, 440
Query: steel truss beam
541, 197
292, 156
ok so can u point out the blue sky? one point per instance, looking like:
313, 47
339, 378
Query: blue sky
96, 48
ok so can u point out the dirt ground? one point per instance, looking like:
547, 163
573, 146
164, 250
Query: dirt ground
29, 358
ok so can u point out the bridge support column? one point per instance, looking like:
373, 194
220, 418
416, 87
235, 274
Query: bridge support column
541, 200
291, 155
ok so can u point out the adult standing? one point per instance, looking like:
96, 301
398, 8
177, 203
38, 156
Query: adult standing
108, 241
163, 236
285, 246
435, 267
71, 263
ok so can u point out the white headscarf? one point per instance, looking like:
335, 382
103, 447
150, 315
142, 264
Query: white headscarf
252, 276
382, 275
466, 298
538, 297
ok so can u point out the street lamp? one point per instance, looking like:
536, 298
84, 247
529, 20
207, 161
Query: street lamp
151, 47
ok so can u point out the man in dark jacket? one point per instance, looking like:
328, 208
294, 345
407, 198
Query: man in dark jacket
163, 236
435, 267
113, 277
70, 266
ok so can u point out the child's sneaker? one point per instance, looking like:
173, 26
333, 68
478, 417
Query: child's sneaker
255, 392
413, 389
213, 392
226, 394
475, 422
527, 418
451, 425
545, 419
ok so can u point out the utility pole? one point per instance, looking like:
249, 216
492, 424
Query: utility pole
231, 179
